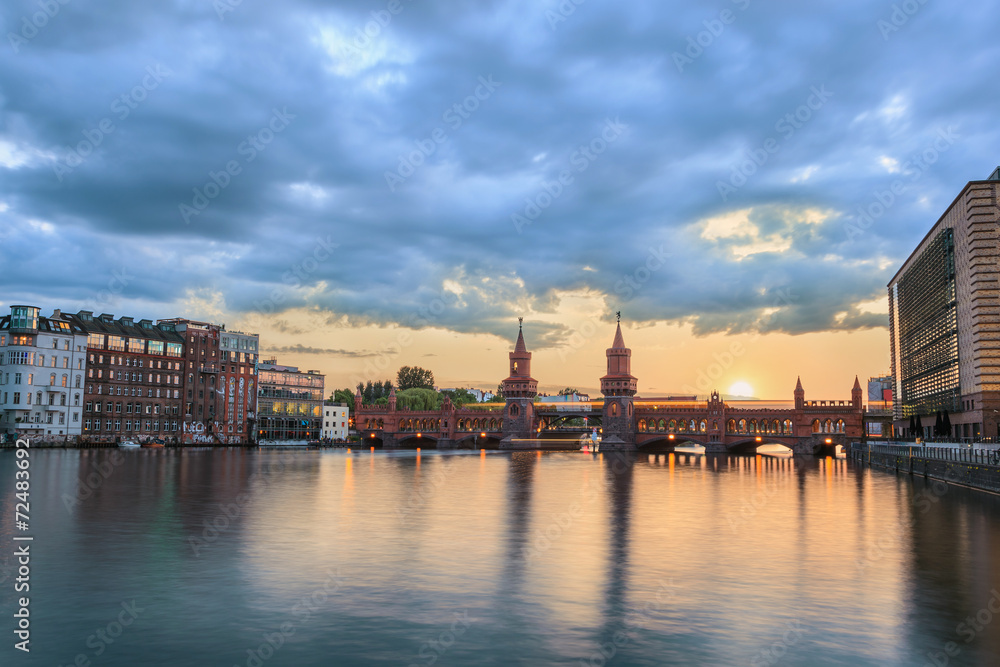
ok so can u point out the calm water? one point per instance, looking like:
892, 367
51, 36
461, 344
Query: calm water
493, 558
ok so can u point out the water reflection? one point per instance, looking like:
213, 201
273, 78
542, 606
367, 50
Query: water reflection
618, 471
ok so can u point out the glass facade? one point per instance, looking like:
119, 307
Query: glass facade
924, 332
289, 404
23, 317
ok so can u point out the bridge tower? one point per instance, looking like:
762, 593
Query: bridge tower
619, 387
520, 390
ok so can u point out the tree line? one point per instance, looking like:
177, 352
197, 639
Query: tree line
414, 390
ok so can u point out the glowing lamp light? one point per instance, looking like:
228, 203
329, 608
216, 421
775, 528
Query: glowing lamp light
420, 435
829, 441
671, 436
482, 435
758, 438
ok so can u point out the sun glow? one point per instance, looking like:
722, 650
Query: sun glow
741, 388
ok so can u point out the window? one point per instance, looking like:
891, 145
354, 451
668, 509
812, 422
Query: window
95, 341
17, 378
66, 345
116, 343
137, 345
17, 398
76, 381
20, 358
65, 380
155, 347
52, 379
174, 349
65, 362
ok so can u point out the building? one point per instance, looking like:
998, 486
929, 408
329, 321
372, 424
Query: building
336, 421
944, 321
289, 403
880, 391
42, 366
133, 378
218, 384
481, 395
567, 398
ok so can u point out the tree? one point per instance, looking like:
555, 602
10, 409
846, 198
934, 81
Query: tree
418, 398
568, 392
345, 396
460, 396
499, 397
414, 377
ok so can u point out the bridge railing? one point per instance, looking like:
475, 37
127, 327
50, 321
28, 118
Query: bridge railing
973, 455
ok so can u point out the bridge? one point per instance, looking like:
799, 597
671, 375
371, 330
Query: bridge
625, 421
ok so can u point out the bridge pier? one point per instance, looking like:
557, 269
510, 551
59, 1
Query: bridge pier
615, 444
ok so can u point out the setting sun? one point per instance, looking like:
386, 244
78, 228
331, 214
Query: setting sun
741, 389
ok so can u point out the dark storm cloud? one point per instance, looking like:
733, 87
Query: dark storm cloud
247, 152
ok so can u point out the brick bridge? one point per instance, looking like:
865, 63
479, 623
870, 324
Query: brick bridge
626, 422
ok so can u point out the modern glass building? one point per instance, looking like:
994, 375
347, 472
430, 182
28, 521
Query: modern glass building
944, 321
290, 403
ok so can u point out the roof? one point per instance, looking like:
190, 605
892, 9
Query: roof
619, 343
991, 180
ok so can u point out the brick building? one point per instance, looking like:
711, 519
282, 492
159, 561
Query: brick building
133, 378
218, 384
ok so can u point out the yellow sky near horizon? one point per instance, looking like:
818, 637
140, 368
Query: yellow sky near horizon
667, 358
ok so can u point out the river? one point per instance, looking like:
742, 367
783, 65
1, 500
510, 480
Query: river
251, 558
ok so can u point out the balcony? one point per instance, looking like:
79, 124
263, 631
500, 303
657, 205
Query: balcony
209, 368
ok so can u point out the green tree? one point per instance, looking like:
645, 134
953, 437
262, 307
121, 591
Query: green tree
418, 398
460, 396
499, 397
345, 396
568, 391
414, 377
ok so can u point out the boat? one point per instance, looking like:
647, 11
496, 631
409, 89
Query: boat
128, 444
152, 444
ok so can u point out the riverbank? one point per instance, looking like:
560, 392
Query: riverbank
974, 468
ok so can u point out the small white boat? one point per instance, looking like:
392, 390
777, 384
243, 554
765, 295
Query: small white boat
129, 444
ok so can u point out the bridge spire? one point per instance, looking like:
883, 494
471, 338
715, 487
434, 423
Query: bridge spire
618, 387
519, 390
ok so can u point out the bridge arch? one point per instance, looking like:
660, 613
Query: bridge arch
751, 445
415, 441
666, 443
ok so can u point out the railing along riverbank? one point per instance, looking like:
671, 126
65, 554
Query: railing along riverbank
976, 467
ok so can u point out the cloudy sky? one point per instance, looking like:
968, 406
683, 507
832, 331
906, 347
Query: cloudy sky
373, 184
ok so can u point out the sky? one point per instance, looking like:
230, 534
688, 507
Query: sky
375, 184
